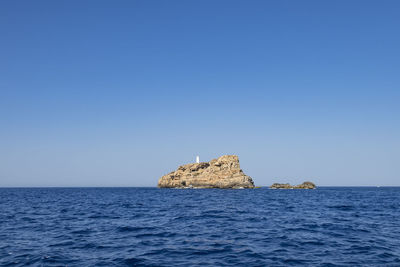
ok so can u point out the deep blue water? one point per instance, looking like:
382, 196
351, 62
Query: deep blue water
171, 227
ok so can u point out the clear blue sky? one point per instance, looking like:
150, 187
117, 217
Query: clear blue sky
119, 93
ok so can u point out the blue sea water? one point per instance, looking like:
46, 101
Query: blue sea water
207, 227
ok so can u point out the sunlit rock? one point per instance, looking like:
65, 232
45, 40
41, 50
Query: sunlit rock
223, 172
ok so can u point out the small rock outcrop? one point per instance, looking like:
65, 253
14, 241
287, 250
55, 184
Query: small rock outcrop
305, 185
223, 172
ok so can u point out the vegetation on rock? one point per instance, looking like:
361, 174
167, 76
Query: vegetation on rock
223, 172
305, 185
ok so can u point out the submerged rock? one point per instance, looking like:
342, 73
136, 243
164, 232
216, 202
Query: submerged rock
305, 185
223, 172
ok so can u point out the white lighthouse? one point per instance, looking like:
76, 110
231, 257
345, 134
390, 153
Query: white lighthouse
197, 159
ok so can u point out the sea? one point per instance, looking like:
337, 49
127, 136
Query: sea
328, 226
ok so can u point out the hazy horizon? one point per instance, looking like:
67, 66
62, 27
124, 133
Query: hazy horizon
100, 93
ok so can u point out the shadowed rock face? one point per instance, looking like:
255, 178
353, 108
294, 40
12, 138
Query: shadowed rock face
223, 172
305, 185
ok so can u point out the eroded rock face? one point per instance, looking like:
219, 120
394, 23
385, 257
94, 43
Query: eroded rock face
223, 172
305, 185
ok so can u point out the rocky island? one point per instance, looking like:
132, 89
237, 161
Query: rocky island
305, 185
223, 172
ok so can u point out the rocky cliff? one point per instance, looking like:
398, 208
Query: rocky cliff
223, 172
305, 185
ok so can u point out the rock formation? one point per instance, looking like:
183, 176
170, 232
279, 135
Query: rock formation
223, 172
305, 185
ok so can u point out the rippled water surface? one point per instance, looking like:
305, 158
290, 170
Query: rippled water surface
170, 227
